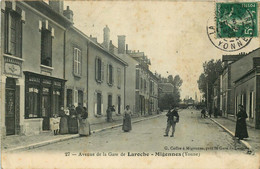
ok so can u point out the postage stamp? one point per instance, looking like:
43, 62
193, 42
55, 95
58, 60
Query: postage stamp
236, 20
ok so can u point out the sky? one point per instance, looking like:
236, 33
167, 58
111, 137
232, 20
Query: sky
172, 34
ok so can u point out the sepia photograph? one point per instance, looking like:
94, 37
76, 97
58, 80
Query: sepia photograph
130, 84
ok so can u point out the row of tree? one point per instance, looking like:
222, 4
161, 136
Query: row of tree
211, 71
166, 100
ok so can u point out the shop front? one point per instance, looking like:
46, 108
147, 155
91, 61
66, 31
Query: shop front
44, 95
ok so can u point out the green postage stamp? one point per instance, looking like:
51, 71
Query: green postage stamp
236, 20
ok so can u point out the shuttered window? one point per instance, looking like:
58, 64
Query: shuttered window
99, 70
110, 74
46, 48
13, 35
77, 64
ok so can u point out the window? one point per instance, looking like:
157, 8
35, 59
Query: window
110, 76
77, 61
119, 78
99, 103
99, 73
251, 105
109, 100
80, 97
46, 48
141, 79
137, 78
13, 35
33, 102
69, 97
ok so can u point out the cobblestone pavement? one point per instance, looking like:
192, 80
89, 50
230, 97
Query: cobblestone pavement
192, 134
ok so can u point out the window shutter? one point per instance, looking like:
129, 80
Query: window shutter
9, 32
113, 72
108, 73
74, 61
40, 25
102, 71
96, 69
80, 63
19, 38
23, 16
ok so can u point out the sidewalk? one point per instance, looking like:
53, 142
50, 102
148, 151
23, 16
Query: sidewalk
254, 134
17, 142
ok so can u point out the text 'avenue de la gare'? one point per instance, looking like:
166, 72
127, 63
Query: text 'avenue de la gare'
134, 154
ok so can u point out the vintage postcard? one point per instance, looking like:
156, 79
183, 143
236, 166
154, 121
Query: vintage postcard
130, 84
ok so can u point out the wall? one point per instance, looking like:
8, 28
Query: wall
75, 39
103, 87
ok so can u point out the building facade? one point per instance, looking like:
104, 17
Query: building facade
106, 81
32, 77
247, 86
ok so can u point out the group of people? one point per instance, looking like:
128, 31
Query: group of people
76, 121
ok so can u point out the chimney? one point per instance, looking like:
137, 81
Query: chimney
126, 48
111, 47
121, 44
106, 37
57, 5
68, 13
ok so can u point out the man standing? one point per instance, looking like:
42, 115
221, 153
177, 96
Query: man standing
173, 118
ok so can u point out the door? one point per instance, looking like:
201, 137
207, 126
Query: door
99, 102
119, 105
46, 107
10, 106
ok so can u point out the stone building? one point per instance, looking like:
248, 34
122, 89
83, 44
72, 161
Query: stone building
247, 86
32, 65
146, 85
227, 87
106, 80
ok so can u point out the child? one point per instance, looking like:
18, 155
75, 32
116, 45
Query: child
56, 124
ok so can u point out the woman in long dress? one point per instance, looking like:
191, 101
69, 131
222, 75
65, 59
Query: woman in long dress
241, 130
127, 126
63, 122
84, 126
73, 121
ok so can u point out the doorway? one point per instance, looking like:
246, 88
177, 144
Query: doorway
46, 105
119, 105
10, 106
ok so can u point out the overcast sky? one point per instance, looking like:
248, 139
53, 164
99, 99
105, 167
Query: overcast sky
172, 34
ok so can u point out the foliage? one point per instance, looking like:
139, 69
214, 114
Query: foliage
167, 100
211, 71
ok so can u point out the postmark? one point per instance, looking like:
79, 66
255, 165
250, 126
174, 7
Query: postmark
233, 26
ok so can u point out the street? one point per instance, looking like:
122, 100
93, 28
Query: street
192, 133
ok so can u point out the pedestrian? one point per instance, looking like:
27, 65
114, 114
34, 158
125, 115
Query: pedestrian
109, 116
203, 113
172, 119
241, 130
73, 122
127, 126
63, 122
55, 124
79, 110
210, 112
84, 126
113, 110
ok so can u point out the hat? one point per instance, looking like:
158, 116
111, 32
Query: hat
240, 105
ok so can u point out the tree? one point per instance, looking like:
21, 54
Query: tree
173, 98
211, 71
